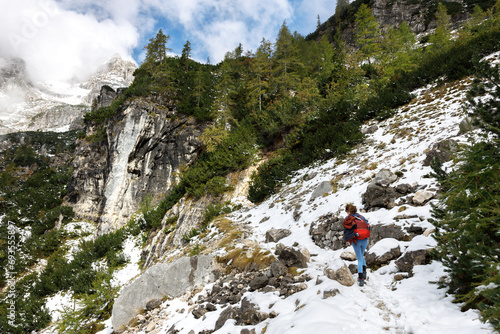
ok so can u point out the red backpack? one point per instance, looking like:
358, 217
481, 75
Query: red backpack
363, 228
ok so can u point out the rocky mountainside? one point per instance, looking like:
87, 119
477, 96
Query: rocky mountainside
281, 266
419, 15
29, 106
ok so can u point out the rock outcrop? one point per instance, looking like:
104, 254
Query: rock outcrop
160, 281
144, 147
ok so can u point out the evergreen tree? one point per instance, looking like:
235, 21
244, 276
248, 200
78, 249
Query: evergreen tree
468, 215
287, 62
340, 8
258, 84
367, 32
398, 50
156, 50
441, 37
186, 54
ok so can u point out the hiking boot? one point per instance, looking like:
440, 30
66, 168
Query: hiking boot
364, 272
361, 281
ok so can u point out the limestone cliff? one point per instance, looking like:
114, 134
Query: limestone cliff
144, 148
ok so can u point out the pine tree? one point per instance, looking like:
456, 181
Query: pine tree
441, 37
287, 62
398, 50
186, 54
156, 50
367, 32
468, 215
340, 8
258, 84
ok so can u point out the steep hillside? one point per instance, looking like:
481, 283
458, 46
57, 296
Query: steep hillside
209, 198
420, 15
402, 294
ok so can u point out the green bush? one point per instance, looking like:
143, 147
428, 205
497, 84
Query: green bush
467, 216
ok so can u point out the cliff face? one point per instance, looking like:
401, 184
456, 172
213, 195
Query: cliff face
145, 147
419, 14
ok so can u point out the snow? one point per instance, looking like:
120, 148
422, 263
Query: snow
58, 303
131, 270
414, 304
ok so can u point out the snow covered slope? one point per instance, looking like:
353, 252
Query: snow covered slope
53, 106
391, 301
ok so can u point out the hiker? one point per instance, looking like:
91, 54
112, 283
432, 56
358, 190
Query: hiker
356, 232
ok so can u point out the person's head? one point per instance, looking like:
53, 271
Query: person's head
349, 208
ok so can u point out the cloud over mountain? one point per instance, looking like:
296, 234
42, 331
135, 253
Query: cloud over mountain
64, 40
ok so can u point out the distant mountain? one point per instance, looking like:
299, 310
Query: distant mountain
53, 106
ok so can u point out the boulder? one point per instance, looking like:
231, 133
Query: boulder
441, 151
324, 187
258, 282
161, 280
275, 235
378, 196
228, 313
348, 255
422, 196
278, 269
291, 257
369, 130
384, 178
248, 314
412, 258
341, 274
383, 252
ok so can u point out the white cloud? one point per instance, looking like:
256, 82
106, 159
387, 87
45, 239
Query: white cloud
61, 39
58, 44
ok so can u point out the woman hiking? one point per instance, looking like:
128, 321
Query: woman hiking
356, 232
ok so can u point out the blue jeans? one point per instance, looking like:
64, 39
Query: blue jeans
359, 249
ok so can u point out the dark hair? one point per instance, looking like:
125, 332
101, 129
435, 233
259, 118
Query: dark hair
349, 208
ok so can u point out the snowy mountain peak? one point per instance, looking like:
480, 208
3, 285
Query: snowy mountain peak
115, 73
53, 106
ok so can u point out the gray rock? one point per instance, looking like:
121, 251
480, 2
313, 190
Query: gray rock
248, 314
324, 188
275, 235
369, 130
377, 197
442, 151
278, 269
152, 304
341, 274
384, 178
330, 293
383, 252
161, 280
412, 258
228, 313
291, 257
259, 282
422, 196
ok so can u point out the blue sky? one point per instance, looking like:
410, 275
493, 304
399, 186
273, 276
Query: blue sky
68, 39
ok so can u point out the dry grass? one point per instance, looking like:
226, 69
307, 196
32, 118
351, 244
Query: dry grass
241, 259
229, 231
